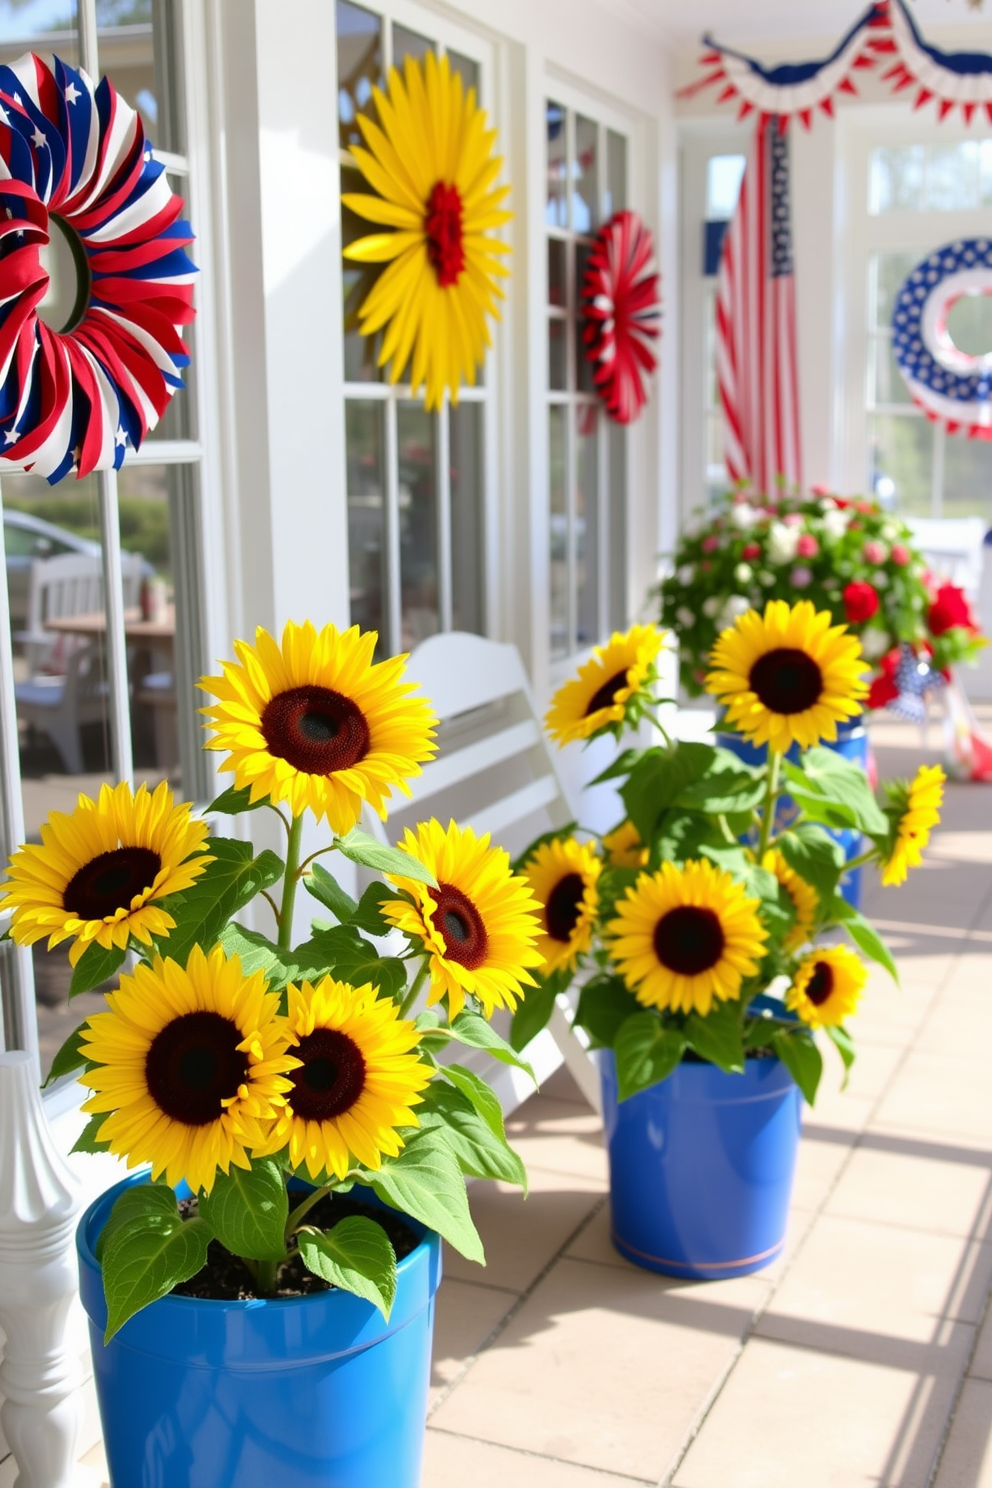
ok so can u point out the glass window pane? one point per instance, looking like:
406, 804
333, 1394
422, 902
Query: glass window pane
41, 26
467, 70
409, 44
556, 272
969, 324
887, 274
557, 356
723, 183
556, 211
985, 171
618, 525
138, 53
952, 177
896, 178
967, 478
585, 176
587, 538
616, 173
417, 455
889, 385
467, 574
901, 462
359, 35
365, 444
558, 465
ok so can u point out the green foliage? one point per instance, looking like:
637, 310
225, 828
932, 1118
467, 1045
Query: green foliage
326, 889
368, 914
469, 1028
815, 856
235, 800
247, 1210
659, 778
426, 1182
88, 1139
605, 1004
801, 1058
140, 1201
146, 1259
349, 957
227, 884
95, 966
69, 1058
718, 1037
646, 1051
864, 935
834, 792
844, 1044
480, 1152
355, 1255
533, 1012
361, 848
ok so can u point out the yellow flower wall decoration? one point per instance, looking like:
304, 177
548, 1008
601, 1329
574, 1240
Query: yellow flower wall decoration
430, 162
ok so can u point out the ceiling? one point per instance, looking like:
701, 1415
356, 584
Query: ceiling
776, 21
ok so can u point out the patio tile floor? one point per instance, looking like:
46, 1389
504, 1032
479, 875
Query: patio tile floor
862, 1357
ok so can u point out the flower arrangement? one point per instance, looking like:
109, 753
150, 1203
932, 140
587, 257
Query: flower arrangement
259, 1078
847, 556
705, 926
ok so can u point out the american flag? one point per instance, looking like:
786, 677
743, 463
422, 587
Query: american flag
756, 322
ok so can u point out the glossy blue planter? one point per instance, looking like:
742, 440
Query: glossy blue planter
852, 743
309, 1392
701, 1167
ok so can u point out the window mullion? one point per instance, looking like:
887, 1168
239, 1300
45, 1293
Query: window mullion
89, 57
604, 532
443, 530
113, 598
937, 471
394, 588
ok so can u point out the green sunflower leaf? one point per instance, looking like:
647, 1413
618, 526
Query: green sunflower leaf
247, 1210
802, 1059
94, 967
361, 848
481, 1153
864, 935
533, 1013
844, 1044
235, 800
325, 888
605, 1004
368, 915
348, 957
88, 1139
69, 1058
257, 953
226, 885
142, 1201
355, 1255
658, 780
818, 859
646, 1052
834, 792
426, 1182
480, 1094
719, 1036
469, 1028
144, 1260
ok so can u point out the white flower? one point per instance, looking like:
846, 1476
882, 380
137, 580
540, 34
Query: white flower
917, 602
828, 505
880, 579
685, 617
743, 516
743, 573
735, 605
782, 542
768, 579
712, 606
874, 642
686, 574
890, 531
835, 523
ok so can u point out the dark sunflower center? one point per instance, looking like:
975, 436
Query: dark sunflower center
786, 680
606, 696
460, 923
331, 1077
315, 730
562, 909
689, 940
194, 1065
820, 984
109, 882
443, 226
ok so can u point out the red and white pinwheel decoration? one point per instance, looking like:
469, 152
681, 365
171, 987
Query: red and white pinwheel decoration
622, 309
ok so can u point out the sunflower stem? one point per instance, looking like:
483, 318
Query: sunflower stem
303, 1209
290, 883
265, 1276
771, 799
414, 992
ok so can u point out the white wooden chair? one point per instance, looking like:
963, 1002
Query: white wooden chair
69, 584
60, 705
495, 772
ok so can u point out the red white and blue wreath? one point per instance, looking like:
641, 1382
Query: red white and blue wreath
76, 400
622, 310
951, 386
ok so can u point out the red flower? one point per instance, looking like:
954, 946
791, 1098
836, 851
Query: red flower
883, 689
807, 546
950, 608
710, 543
751, 550
900, 555
860, 603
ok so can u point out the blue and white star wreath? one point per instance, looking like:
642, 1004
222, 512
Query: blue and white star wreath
951, 386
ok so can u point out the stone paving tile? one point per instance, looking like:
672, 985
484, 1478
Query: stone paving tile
457, 1462
935, 1091
522, 1235
981, 1364
967, 1459
566, 1137
464, 1317
887, 1187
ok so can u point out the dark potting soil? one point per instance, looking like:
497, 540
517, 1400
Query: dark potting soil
691, 1057
225, 1278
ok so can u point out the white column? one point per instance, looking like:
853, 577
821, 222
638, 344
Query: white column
39, 1201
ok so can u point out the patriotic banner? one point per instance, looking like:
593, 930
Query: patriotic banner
952, 79
756, 323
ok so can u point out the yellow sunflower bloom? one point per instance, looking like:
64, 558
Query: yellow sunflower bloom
479, 925
624, 848
189, 1063
313, 722
562, 878
788, 676
827, 986
601, 695
919, 806
430, 162
101, 870
357, 1080
684, 936
805, 900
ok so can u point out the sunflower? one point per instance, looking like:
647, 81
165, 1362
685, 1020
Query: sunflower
684, 936
479, 925
826, 987
608, 687
313, 722
916, 808
430, 162
624, 847
101, 870
805, 900
190, 1063
357, 1079
789, 676
562, 878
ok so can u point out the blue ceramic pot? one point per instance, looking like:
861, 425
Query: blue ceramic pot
852, 743
308, 1392
701, 1167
